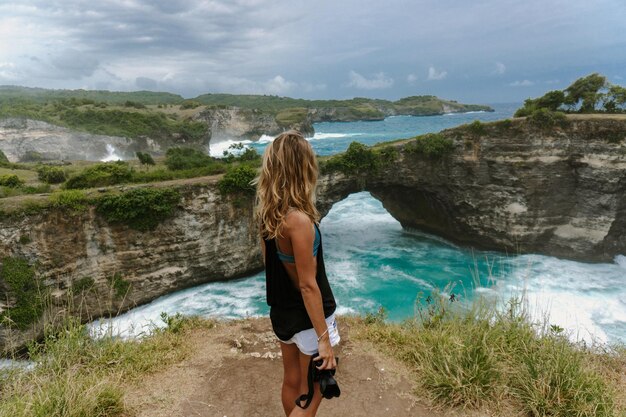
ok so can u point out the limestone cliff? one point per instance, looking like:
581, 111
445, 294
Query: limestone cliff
515, 186
239, 123
19, 137
210, 238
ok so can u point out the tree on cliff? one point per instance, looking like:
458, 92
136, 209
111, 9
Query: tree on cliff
145, 158
586, 89
587, 94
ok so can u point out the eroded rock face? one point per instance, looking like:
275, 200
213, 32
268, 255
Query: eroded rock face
235, 123
18, 137
522, 188
210, 238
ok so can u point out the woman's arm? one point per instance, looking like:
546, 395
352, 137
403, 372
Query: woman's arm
299, 229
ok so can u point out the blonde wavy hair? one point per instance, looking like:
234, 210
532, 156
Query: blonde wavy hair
287, 180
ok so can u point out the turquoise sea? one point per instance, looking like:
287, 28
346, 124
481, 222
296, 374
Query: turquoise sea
372, 262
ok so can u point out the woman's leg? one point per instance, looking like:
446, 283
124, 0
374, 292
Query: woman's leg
291, 376
311, 410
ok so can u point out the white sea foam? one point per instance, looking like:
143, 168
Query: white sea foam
465, 112
216, 149
621, 261
582, 298
111, 154
318, 135
238, 299
266, 139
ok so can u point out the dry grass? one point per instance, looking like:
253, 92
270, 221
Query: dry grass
479, 357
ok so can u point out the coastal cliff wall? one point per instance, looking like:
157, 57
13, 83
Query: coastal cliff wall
510, 186
19, 137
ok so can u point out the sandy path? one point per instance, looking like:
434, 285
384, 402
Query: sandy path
220, 379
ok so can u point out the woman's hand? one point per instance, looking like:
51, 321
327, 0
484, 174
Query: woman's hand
325, 354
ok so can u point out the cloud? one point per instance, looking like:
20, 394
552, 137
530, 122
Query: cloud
522, 83
278, 85
379, 81
411, 78
500, 68
433, 74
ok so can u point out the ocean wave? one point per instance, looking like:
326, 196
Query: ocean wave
464, 112
621, 261
318, 135
111, 154
216, 149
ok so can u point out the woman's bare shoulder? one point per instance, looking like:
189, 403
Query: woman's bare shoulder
297, 220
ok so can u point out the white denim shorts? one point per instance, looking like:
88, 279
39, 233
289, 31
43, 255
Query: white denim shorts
306, 340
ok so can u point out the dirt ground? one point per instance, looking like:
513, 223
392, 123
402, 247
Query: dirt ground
235, 370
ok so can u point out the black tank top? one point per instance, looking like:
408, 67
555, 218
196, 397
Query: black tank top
287, 311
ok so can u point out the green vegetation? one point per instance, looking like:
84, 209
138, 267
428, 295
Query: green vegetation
477, 128
145, 158
547, 119
78, 376
291, 117
352, 109
3, 159
432, 145
119, 285
12, 181
357, 159
479, 356
238, 180
11, 94
186, 158
23, 286
75, 201
83, 284
140, 208
590, 94
108, 173
51, 174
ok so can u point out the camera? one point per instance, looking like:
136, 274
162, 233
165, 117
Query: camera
328, 385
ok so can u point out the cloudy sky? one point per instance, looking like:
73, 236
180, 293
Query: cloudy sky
485, 51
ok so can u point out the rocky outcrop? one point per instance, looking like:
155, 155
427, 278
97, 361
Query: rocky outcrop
78, 255
20, 138
234, 123
514, 187
510, 186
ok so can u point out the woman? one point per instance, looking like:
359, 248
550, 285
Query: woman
301, 302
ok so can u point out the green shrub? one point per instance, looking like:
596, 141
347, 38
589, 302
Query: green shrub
51, 174
189, 104
73, 200
140, 208
83, 284
134, 104
433, 145
357, 159
145, 158
12, 181
119, 284
477, 128
237, 180
547, 119
23, 285
186, 158
108, 173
